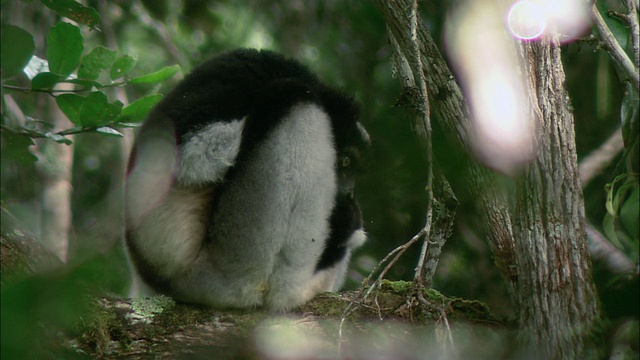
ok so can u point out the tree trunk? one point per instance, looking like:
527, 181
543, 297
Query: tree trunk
546, 266
557, 297
54, 165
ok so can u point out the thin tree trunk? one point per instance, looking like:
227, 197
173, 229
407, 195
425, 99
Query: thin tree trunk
54, 165
557, 297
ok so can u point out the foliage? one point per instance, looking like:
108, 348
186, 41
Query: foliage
621, 221
83, 100
346, 43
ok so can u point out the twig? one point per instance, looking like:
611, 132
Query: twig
609, 42
62, 133
27, 90
632, 20
364, 295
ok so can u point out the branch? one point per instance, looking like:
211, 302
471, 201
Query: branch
600, 158
629, 71
28, 90
419, 274
632, 20
601, 249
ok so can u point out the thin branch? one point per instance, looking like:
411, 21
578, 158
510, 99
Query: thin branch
426, 122
362, 295
62, 133
632, 20
601, 249
444, 207
28, 90
413, 77
600, 158
611, 45
396, 254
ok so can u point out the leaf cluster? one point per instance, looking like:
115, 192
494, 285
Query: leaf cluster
620, 223
75, 77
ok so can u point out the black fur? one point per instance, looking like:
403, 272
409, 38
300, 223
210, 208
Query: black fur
345, 219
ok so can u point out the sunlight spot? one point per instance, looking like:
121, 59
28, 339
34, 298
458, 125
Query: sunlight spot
530, 19
526, 20
484, 55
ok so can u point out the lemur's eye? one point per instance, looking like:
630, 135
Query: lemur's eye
346, 161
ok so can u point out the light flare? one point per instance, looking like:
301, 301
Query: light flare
530, 19
526, 20
484, 56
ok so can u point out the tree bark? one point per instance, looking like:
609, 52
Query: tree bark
557, 297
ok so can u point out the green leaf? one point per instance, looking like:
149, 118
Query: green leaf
122, 66
609, 227
619, 31
71, 104
158, 76
629, 213
99, 59
17, 47
15, 148
46, 80
632, 156
138, 110
97, 111
90, 111
621, 193
629, 110
109, 131
64, 48
74, 11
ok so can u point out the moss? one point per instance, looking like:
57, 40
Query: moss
328, 304
397, 291
398, 287
149, 307
472, 310
100, 326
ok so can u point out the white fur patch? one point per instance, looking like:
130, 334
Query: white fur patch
171, 235
166, 222
209, 153
363, 133
272, 220
357, 239
271, 223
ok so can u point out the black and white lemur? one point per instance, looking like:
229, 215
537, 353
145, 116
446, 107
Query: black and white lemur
240, 186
